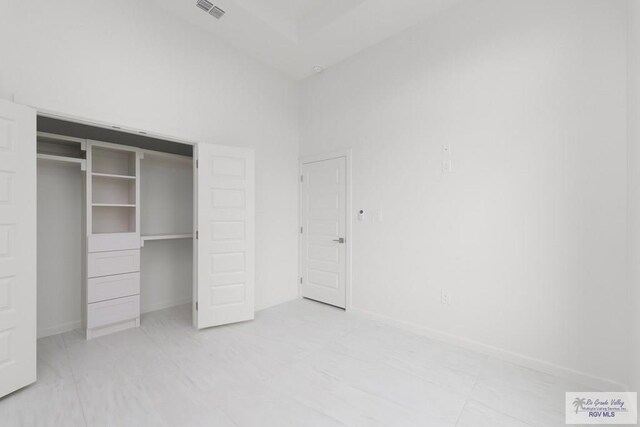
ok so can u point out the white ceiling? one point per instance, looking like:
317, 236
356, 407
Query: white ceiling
295, 35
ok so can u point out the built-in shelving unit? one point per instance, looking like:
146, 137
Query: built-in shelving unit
114, 189
114, 161
64, 149
113, 224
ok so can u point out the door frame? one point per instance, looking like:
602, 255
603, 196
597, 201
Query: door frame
314, 158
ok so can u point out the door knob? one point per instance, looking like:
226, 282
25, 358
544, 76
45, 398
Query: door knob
340, 240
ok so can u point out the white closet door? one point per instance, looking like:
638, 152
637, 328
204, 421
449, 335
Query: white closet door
17, 247
225, 244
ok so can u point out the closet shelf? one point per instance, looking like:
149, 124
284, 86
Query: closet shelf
52, 157
167, 236
112, 205
109, 175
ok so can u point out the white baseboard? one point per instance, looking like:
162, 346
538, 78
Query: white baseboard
59, 329
166, 304
70, 326
163, 305
579, 377
276, 303
584, 378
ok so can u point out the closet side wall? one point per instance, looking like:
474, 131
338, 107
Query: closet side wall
166, 274
59, 247
166, 196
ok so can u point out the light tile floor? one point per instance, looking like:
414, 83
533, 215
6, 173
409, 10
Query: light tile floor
298, 364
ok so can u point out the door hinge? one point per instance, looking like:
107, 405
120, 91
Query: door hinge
301, 178
197, 234
196, 305
197, 163
301, 230
301, 280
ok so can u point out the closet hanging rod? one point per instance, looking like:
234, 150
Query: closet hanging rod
51, 157
110, 175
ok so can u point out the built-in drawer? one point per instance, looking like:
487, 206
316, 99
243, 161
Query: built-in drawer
108, 263
110, 287
113, 242
113, 311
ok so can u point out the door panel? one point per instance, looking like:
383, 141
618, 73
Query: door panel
17, 247
225, 245
324, 216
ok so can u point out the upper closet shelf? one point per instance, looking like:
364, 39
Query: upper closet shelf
81, 162
60, 148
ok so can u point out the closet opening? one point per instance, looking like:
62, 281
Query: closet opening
115, 227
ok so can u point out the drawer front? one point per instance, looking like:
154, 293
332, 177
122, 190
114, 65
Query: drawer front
110, 287
113, 242
113, 311
108, 263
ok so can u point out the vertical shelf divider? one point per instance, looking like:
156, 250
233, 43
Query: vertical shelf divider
113, 238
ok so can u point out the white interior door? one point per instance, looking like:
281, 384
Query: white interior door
324, 219
17, 247
226, 235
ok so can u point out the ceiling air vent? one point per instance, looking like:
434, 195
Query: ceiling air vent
212, 10
216, 12
204, 5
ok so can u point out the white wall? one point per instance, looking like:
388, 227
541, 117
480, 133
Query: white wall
166, 271
60, 206
528, 232
125, 63
634, 188
166, 201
